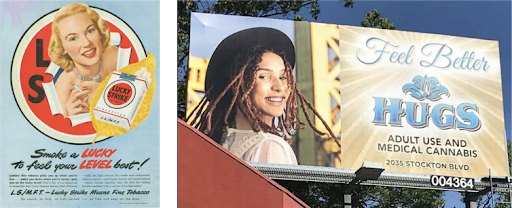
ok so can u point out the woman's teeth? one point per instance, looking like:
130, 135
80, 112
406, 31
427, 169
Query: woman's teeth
89, 52
275, 99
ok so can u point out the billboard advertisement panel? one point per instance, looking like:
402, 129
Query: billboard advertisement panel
421, 103
413, 102
65, 62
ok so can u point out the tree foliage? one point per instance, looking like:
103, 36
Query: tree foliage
373, 19
381, 197
499, 200
326, 195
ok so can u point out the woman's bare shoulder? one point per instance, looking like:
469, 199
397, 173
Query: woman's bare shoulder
63, 80
111, 52
63, 84
109, 58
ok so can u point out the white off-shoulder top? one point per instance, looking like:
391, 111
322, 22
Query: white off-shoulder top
260, 146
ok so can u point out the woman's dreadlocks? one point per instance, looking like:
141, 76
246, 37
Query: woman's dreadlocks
213, 119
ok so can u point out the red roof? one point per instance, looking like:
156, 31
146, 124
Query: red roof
211, 176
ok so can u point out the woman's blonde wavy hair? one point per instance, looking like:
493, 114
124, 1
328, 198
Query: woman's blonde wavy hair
56, 48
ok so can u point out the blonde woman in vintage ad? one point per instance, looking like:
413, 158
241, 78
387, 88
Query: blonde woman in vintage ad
80, 44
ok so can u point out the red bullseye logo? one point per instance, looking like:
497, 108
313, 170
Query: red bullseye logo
33, 85
119, 94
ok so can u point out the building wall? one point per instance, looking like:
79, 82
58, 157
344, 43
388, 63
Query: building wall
210, 176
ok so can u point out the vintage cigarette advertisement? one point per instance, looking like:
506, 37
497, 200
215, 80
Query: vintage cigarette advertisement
79, 110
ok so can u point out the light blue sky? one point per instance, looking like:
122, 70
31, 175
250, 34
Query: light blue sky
204, 24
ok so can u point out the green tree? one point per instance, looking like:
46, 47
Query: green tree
185, 8
373, 19
381, 197
326, 195
500, 200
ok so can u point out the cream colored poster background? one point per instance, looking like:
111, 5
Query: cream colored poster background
360, 83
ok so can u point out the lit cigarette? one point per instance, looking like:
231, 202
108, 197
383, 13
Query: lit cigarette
76, 87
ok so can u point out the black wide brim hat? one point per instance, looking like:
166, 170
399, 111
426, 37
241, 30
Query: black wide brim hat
222, 67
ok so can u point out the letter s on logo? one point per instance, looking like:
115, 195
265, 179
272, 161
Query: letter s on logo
474, 121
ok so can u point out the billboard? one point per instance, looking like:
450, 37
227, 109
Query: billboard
416, 103
421, 103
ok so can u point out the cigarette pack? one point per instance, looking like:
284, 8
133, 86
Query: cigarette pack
122, 97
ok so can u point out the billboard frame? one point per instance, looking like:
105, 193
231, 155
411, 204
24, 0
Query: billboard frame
345, 176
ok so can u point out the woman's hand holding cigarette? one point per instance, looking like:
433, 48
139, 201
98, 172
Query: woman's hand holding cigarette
78, 102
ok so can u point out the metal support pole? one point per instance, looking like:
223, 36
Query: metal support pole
471, 204
470, 198
347, 200
509, 193
368, 171
347, 193
492, 193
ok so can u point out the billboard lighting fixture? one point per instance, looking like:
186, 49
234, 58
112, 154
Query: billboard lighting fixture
369, 171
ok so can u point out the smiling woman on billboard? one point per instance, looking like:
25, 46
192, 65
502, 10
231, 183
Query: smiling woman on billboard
252, 97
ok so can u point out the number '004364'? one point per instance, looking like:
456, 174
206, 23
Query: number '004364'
452, 182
